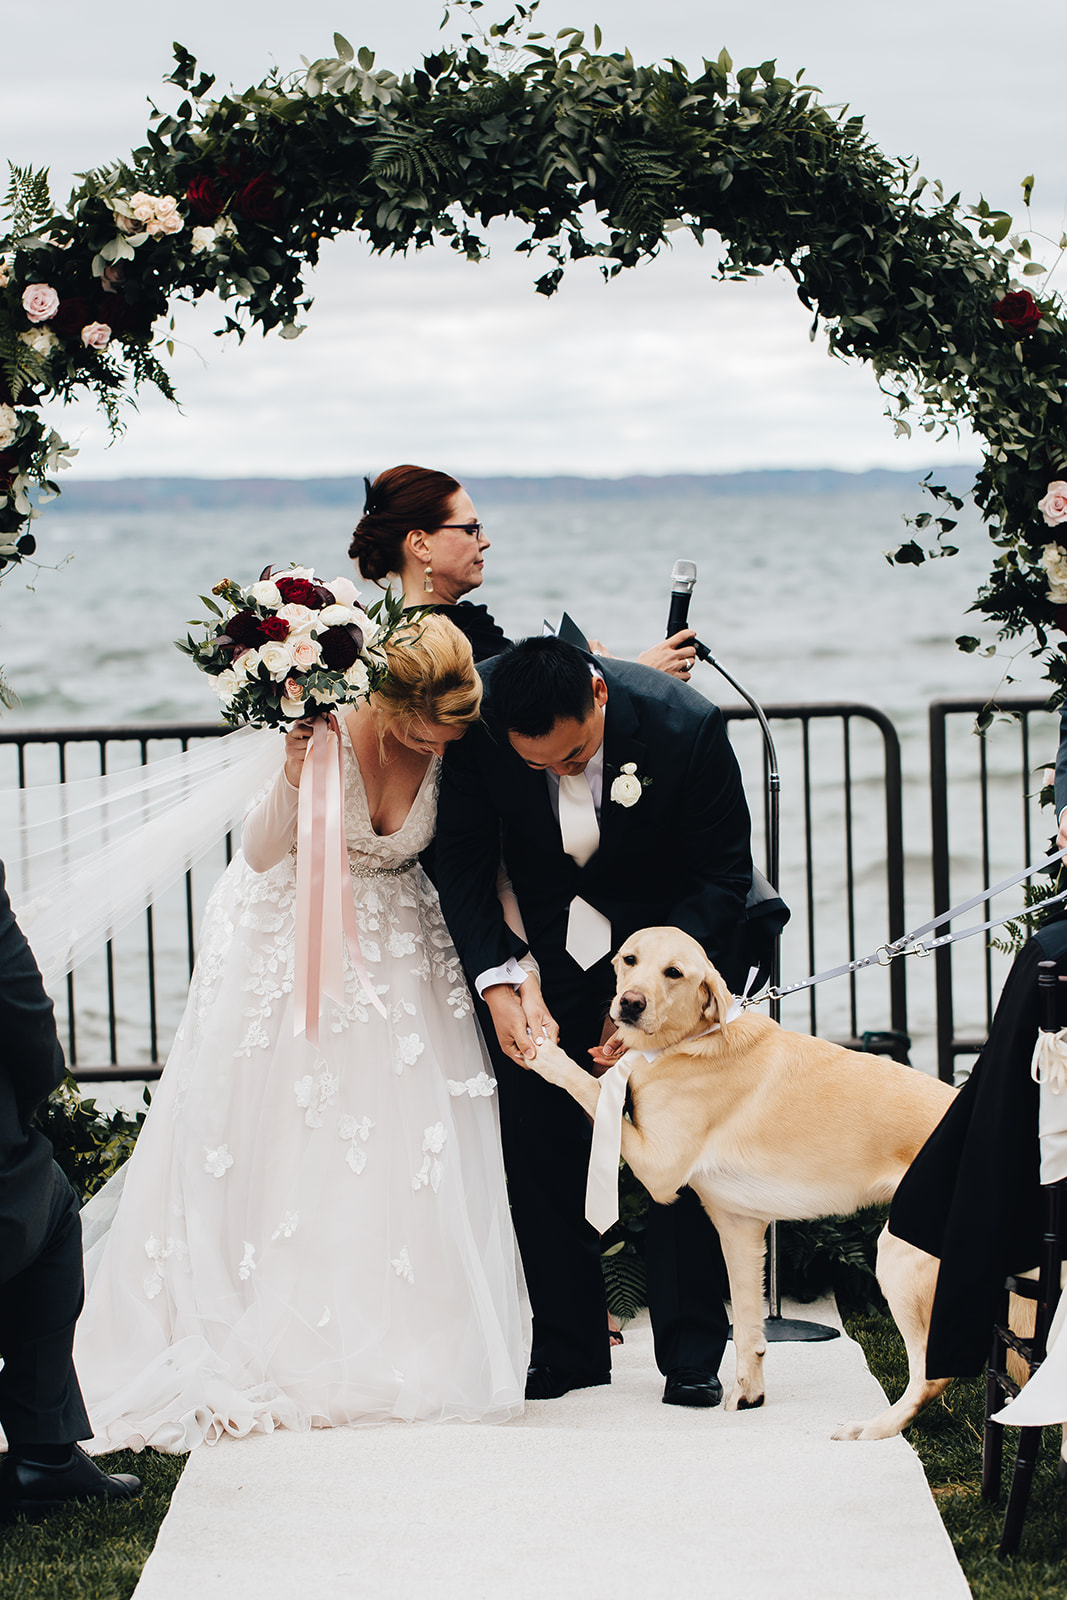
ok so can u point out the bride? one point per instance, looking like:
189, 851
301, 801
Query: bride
318, 1236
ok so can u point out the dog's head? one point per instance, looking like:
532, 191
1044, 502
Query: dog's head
666, 989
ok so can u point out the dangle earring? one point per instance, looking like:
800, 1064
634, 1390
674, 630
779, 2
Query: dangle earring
427, 582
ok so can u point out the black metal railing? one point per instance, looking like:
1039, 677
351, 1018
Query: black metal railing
841, 871
986, 823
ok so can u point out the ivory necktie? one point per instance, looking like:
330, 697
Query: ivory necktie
588, 931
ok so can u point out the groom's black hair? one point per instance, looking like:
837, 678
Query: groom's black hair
540, 682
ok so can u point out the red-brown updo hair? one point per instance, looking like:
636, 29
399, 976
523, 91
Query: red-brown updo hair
400, 499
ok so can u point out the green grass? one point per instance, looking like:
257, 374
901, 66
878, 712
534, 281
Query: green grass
947, 1438
90, 1552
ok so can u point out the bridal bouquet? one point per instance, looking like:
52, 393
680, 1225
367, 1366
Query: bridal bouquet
290, 647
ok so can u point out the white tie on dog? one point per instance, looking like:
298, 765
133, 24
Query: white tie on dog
588, 930
602, 1184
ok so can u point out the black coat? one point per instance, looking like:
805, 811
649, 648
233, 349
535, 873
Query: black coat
679, 856
31, 1066
972, 1195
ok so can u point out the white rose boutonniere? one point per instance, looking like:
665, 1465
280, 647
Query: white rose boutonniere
626, 790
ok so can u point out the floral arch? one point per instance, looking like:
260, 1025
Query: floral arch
598, 157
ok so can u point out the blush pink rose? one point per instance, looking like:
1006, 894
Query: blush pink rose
305, 652
294, 690
1054, 506
39, 301
96, 336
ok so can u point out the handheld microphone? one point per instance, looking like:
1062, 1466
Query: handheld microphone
683, 582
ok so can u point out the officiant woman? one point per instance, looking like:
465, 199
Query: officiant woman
421, 527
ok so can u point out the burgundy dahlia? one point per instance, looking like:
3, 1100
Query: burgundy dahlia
341, 646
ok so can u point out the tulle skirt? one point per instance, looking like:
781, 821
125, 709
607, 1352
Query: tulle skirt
308, 1236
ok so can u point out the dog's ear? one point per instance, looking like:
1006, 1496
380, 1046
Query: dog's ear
718, 994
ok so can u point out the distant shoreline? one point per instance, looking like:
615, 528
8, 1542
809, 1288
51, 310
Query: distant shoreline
215, 494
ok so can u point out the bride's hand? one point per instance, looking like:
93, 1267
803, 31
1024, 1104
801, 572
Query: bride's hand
540, 1021
296, 748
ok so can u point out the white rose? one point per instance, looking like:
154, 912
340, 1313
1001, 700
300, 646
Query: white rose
226, 685
246, 665
265, 593
9, 425
300, 618
143, 207
225, 228
276, 657
299, 572
344, 591
166, 206
335, 616
1054, 561
291, 708
370, 631
203, 239
322, 697
356, 677
40, 340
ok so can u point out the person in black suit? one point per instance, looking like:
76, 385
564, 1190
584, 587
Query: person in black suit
41, 1283
663, 790
972, 1195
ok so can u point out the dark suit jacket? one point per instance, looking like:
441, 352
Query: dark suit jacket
31, 1066
679, 856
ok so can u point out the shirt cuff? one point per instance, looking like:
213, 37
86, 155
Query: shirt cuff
510, 972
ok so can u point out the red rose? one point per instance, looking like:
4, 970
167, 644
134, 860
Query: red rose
245, 629
72, 315
257, 201
203, 198
275, 628
341, 646
1018, 311
302, 592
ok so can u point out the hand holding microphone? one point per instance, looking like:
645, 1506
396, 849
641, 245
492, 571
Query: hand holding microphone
681, 638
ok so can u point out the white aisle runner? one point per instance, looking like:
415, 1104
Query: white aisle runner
606, 1494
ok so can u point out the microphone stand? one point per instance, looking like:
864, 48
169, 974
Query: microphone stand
778, 1329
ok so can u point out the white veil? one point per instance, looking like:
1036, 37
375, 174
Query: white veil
85, 858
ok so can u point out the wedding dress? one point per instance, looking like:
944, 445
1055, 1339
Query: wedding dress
310, 1236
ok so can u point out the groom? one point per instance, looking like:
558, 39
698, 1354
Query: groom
617, 802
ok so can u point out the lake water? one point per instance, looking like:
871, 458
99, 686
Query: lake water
793, 596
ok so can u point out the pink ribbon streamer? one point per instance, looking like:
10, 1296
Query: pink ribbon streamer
325, 909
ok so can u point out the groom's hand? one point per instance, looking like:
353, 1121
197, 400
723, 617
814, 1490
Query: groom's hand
509, 1020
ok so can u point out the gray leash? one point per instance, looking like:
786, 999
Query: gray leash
915, 944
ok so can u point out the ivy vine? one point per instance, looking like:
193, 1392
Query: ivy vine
234, 193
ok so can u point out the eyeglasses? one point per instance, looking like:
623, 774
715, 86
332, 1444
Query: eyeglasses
473, 528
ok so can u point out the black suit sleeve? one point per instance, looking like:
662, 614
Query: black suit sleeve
712, 837
31, 1059
467, 857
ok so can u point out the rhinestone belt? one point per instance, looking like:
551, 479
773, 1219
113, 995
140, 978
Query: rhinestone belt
358, 870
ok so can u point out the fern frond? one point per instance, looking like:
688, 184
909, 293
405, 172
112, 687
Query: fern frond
28, 203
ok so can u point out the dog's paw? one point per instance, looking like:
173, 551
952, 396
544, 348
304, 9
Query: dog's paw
741, 1399
849, 1430
552, 1063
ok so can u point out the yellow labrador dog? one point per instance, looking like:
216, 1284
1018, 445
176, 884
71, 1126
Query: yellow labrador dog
764, 1124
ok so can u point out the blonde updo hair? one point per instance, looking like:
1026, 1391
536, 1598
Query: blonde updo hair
431, 678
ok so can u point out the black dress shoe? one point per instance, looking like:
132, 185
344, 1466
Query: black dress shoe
689, 1386
27, 1487
548, 1383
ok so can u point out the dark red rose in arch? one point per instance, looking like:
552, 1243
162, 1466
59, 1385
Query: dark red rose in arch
1060, 619
275, 628
204, 199
341, 646
257, 201
246, 629
1018, 311
73, 315
302, 592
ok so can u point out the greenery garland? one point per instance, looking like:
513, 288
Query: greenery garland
597, 156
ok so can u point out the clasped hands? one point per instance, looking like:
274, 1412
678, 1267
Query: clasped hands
523, 1021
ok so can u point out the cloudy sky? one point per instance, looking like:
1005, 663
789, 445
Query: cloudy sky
435, 360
